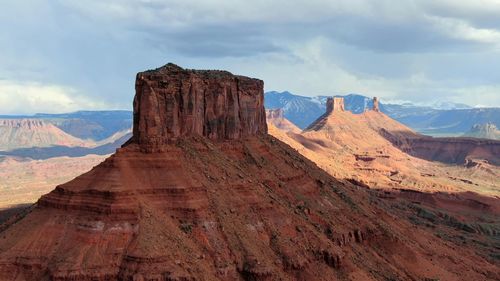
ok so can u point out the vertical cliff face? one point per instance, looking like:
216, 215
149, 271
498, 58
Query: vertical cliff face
334, 104
171, 102
449, 150
276, 117
376, 107
199, 208
27, 133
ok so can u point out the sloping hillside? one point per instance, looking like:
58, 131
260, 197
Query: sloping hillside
25, 133
213, 197
438, 120
484, 131
351, 146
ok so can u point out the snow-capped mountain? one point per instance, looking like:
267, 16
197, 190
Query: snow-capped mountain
443, 118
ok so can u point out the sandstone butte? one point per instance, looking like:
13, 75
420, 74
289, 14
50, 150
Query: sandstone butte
375, 150
277, 119
202, 192
26, 133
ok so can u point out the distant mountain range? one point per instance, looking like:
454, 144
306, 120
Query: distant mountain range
93, 125
450, 119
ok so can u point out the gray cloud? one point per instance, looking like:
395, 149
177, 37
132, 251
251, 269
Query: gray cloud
404, 50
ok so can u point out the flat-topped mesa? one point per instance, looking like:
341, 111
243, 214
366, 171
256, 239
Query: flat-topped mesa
334, 104
172, 102
21, 123
277, 113
376, 107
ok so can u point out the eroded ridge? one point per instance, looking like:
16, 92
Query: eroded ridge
173, 102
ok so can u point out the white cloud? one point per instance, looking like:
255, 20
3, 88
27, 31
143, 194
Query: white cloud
408, 50
479, 96
28, 98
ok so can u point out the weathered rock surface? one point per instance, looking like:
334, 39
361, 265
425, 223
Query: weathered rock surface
369, 149
484, 131
334, 104
172, 102
25, 133
449, 150
276, 118
376, 106
199, 208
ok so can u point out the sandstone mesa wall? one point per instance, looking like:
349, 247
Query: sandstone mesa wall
447, 150
172, 102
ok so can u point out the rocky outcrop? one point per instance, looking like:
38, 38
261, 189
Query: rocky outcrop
173, 102
334, 104
224, 201
447, 150
376, 106
275, 117
484, 131
28, 133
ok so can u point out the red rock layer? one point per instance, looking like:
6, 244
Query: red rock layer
172, 102
334, 104
448, 150
275, 117
204, 210
18, 123
376, 106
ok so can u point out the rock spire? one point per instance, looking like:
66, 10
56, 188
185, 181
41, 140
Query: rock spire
173, 102
376, 107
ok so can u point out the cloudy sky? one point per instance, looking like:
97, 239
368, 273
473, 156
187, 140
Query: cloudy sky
59, 56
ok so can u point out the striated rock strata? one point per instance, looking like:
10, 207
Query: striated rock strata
449, 150
484, 131
334, 104
376, 106
203, 208
27, 133
172, 102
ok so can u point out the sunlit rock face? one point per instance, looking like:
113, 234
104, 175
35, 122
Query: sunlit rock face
171, 102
